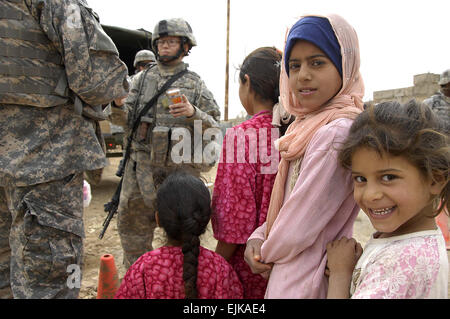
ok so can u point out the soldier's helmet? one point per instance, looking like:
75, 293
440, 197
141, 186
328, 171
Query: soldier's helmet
144, 55
445, 77
173, 27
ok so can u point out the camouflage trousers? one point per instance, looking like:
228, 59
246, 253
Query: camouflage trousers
136, 214
41, 239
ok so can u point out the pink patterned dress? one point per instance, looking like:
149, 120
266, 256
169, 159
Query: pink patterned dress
242, 191
411, 266
158, 274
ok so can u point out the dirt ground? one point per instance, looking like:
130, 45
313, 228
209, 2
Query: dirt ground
94, 216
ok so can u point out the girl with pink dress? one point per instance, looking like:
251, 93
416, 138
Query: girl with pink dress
399, 156
311, 202
182, 268
246, 173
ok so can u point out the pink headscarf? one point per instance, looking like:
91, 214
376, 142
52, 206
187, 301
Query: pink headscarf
346, 104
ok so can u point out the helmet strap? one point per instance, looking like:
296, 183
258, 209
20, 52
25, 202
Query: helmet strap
167, 58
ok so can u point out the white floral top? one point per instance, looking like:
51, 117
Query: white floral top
402, 267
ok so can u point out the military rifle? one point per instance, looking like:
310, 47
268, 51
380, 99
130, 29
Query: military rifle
112, 206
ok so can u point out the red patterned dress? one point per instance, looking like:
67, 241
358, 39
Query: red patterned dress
158, 274
242, 191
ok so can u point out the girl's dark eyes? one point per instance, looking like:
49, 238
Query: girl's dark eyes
384, 178
293, 66
312, 63
317, 63
359, 179
388, 177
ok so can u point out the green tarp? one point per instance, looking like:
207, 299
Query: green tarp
129, 42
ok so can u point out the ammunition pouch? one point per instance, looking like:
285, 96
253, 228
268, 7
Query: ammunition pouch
144, 132
160, 140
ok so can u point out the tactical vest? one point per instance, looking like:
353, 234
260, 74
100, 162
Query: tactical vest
156, 130
159, 114
32, 71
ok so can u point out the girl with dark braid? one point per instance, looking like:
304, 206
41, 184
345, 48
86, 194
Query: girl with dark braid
182, 268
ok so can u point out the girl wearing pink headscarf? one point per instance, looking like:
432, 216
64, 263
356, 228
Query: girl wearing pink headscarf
312, 198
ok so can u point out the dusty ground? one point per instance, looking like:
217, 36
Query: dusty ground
110, 244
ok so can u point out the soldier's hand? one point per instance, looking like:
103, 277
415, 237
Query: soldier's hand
184, 108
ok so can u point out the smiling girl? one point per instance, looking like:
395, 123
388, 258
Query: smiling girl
399, 157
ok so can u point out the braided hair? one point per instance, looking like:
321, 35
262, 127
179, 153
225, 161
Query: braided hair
183, 203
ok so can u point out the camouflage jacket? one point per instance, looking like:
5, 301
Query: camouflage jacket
42, 138
441, 105
190, 84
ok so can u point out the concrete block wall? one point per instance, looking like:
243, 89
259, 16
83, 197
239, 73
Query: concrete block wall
425, 85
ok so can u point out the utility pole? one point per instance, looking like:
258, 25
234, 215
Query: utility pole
227, 61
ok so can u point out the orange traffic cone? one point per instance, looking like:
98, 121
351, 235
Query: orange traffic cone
108, 280
442, 222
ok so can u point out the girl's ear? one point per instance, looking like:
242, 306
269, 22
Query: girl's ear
437, 184
157, 219
246, 82
247, 79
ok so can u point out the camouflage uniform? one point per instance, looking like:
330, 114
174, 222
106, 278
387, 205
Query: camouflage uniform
116, 115
151, 148
57, 69
439, 102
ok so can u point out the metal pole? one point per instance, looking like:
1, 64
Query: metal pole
227, 61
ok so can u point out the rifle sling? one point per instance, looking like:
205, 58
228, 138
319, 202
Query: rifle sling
146, 109
112, 206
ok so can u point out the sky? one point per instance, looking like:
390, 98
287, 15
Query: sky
398, 38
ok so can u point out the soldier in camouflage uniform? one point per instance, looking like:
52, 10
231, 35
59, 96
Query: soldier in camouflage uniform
142, 59
57, 70
440, 102
150, 157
